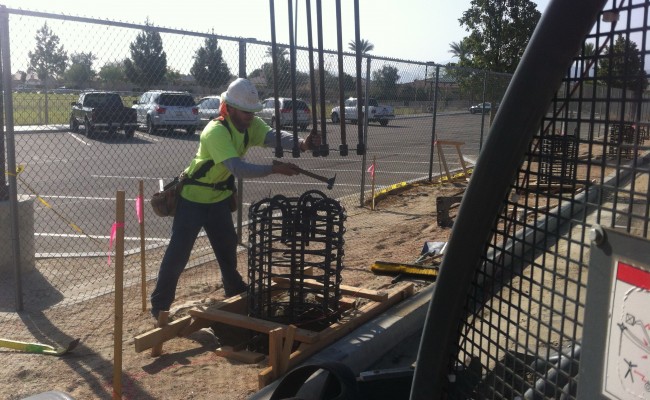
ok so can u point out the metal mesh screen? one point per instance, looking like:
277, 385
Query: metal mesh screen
586, 166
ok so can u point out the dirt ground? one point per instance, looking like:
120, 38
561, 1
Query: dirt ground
396, 231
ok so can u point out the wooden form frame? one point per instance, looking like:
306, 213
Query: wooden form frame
441, 155
281, 357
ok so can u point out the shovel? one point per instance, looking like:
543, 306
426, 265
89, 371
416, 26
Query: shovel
38, 348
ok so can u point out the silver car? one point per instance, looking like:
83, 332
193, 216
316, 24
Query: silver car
158, 109
303, 113
208, 109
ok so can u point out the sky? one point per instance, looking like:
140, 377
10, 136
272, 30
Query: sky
419, 30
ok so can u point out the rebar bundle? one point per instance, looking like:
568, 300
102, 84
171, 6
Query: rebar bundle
295, 259
558, 159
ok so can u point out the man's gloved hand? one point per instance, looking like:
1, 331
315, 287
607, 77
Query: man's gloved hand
312, 141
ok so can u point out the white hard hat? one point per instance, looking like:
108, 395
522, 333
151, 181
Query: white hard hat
242, 95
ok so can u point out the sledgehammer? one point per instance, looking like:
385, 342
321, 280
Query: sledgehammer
329, 181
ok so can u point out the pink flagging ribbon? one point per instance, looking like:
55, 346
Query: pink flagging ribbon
139, 207
371, 169
112, 237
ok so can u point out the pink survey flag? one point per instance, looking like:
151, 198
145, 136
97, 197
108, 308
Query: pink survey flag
139, 206
371, 169
112, 237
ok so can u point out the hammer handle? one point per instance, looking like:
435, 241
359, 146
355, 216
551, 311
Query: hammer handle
307, 173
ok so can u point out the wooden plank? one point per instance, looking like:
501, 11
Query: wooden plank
347, 303
462, 161
286, 349
149, 339
450, 142
441, 156
255, 324
275, 351
163, 317
345, 289
338, 330
244, 356
194, 326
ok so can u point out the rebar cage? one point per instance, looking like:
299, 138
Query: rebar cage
295, 257
587, 165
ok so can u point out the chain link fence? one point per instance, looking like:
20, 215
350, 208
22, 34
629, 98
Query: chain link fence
66, 181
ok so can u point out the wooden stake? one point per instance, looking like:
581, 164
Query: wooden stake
119, 296
286, 349
275, 351
374, 171
143, 265
163, 318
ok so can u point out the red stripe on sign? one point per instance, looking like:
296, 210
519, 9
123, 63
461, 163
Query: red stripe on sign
633, 276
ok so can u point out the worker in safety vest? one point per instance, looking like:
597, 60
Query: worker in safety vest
206, 201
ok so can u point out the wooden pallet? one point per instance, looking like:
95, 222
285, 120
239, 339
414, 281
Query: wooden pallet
288, 345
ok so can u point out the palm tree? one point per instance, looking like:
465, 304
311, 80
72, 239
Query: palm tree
459, 50
364, 45
280, 52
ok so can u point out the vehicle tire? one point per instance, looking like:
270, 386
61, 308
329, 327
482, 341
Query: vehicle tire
335, 118
383, 122
74, 125
88, 129
353, 121
129, 132
191, 130
303, 127
150, 128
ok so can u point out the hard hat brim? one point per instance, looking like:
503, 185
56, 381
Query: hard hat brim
244, 107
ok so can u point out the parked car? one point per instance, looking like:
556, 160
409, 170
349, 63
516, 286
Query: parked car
376, 112
303, 113
102, 111
208, 109
481, 108
159, 109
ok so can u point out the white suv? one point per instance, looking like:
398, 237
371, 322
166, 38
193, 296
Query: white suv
303, 113
158, 109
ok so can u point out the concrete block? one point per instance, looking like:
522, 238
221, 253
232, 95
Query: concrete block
25, 233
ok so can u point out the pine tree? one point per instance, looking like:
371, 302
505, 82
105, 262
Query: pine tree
209, 69
148, 63
49, 58
621, 67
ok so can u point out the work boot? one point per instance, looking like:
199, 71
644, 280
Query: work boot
242, 288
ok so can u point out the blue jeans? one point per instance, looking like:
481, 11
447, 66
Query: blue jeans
190, 217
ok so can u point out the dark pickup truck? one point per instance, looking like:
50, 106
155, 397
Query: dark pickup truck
102, 111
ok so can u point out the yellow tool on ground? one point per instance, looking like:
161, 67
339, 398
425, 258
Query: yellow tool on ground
426, 265
38, 348
389, 267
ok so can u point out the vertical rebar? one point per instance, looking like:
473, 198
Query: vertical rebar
240, 181
433, 124
361, 146
312, 77
324, 148
343, 148
278, 142
365, 139
292, 60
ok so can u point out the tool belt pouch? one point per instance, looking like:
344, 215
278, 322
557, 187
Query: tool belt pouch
164, 202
